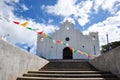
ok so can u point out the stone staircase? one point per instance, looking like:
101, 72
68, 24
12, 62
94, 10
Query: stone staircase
68, 70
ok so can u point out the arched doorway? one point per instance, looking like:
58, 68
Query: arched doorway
67, 53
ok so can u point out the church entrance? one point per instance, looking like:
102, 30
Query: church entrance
67, 53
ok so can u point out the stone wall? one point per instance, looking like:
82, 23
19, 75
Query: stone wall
108, 62
15, 61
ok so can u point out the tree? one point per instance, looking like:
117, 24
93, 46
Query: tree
112, 46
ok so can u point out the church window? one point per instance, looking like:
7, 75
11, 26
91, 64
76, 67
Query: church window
67, 39
83, 46
67, 27
51, 46
93, 38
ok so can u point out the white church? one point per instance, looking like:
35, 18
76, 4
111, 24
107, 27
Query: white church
67, 33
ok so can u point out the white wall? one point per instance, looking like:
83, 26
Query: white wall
15, 61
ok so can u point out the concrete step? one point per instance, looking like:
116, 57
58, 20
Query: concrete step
68, 60
68, 69
69, 72
49, 78
68, 65
71, 75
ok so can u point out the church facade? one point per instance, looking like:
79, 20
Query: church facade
85, 43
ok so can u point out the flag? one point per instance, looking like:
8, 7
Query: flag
79, 51
0, 17
16, 22
89, 56
35, 29
54, 41
74, 51
64, 43
94, 56
45, 35
59, 41
67, 44
24, 24
29, 28
40, 32
85, 53
50, 37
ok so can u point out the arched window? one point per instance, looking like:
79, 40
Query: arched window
67, 27
67, 38
93, 37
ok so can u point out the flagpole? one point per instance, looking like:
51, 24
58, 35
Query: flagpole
108, 44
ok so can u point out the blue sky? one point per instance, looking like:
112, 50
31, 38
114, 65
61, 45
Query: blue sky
101, 16
36, 13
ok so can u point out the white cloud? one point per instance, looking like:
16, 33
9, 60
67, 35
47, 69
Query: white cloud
33, 50
16, 1
83, 20
108, 26
16, 32
63, 8
25, 8
19, 33
109, 5
81, 10
25, 46
50, 21
66, 8
43, 27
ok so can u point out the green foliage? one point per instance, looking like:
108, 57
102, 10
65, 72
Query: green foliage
112, 46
